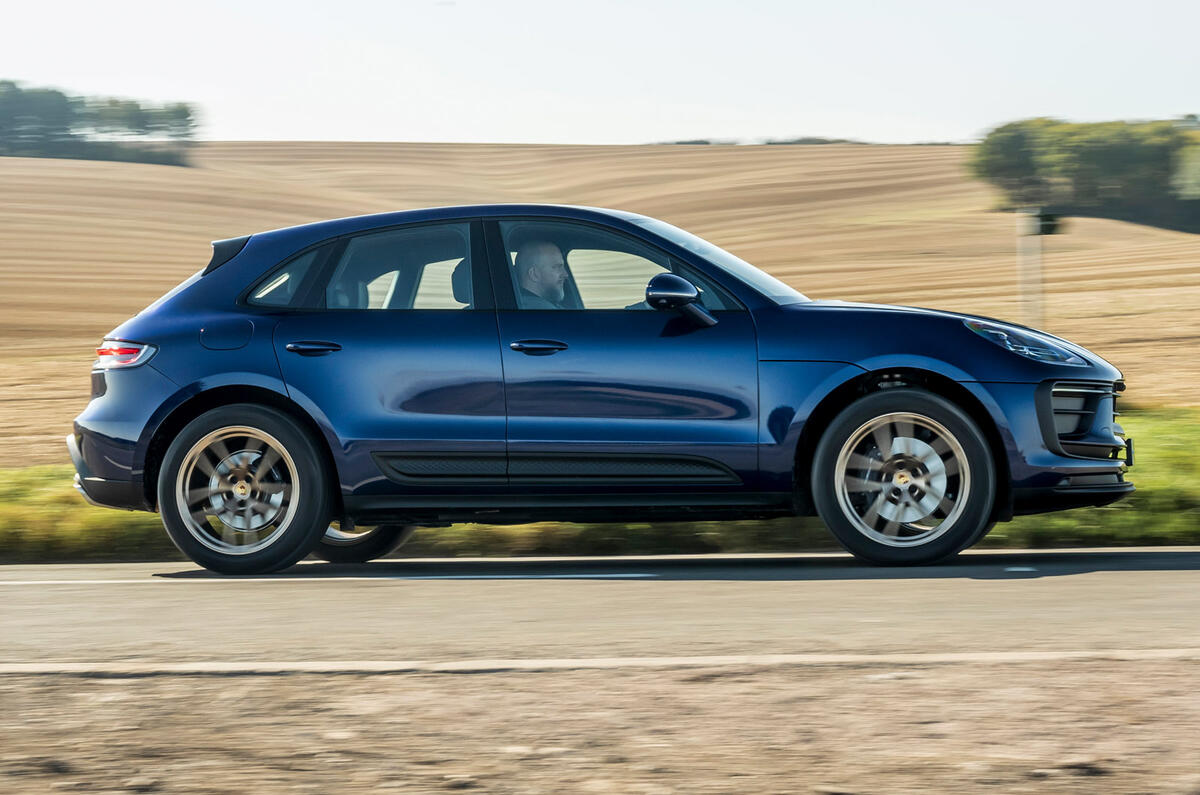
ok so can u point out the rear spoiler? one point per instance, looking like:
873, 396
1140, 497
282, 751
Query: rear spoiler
225, 250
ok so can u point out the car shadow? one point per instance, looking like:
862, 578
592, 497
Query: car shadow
986, 565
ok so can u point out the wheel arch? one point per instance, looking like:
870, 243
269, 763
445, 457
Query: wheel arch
832, 404
216, 397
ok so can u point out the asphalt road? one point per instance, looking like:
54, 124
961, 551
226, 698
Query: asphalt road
455, 610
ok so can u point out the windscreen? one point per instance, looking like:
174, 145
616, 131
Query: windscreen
764, 283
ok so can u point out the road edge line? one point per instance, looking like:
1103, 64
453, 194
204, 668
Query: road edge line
478, 666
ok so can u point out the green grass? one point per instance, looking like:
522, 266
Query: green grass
43, 519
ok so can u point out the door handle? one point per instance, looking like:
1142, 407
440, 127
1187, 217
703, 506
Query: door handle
538, 347
312, 347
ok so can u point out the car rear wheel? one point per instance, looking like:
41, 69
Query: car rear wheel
243, 489
347, 543
904, 476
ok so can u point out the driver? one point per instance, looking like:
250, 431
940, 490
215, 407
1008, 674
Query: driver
541, 275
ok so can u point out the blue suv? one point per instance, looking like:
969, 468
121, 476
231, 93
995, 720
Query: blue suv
326, 388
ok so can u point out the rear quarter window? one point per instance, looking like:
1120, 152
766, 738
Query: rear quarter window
279, 288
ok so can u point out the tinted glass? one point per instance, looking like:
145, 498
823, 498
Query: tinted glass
764, 283
425, 267
279, 288
563, 265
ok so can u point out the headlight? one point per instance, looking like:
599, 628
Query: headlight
1025, 343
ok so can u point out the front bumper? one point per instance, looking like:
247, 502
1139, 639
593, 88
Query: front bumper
1057, 467
123, 494
1081, 491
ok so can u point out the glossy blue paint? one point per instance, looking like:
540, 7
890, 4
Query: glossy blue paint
405, 393
404, 382
633, 380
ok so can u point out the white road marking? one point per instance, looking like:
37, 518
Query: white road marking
599, 576
251, 668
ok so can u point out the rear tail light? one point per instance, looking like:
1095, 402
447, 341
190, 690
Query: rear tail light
117, 354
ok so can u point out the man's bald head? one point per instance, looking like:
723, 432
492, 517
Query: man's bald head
541, 270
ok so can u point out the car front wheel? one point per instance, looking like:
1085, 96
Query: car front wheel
243, 490
904, 476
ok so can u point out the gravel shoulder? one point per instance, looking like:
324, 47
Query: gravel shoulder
1063, 727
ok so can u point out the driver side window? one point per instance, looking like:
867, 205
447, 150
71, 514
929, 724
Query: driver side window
565, 265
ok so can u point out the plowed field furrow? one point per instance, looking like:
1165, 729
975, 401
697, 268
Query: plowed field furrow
85, 244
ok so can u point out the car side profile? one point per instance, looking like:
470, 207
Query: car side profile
327, 388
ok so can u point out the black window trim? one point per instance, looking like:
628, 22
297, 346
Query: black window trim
504, 289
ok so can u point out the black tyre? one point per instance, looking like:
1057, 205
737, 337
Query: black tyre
904, 476
349, 544
243, 489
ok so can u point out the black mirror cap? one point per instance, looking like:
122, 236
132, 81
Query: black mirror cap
668, 291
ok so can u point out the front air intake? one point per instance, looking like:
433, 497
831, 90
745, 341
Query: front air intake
1079, 419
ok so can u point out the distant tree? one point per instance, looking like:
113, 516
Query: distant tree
1135, 170
1009, 158
35, 119
809, 140
45, 122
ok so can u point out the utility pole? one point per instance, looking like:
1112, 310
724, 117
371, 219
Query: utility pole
1032, 223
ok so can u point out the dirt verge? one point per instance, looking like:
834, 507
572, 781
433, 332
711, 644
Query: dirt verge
1044, 727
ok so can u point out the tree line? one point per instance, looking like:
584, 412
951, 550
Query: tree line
45, 122
1140, 171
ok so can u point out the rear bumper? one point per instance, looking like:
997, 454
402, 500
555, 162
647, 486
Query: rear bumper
123, 494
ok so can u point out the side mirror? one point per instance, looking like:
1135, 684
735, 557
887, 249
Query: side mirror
668, 292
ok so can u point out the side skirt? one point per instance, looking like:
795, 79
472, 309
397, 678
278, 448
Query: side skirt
522, 508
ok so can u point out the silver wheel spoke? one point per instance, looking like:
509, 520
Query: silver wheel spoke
268, 460
196, 495
218, 450
931, 459
929, 489
872, 514
201, 514
883, 440
206, 465
858, 461
930, 502
901, 500
224, 469
858, 485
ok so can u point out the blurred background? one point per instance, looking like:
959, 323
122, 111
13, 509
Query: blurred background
881, 152
868, 157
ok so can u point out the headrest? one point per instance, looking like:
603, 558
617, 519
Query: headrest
460, 281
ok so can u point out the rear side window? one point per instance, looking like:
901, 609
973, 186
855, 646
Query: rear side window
427, 267
281, 286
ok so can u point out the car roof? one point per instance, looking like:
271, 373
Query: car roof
305, 234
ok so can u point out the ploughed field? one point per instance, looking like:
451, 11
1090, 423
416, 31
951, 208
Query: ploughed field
85, 244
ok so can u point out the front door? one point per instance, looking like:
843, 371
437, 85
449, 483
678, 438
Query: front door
606, 395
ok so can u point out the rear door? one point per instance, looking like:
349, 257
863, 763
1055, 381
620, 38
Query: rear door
397, 352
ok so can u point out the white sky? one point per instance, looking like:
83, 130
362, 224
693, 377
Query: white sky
616, 71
